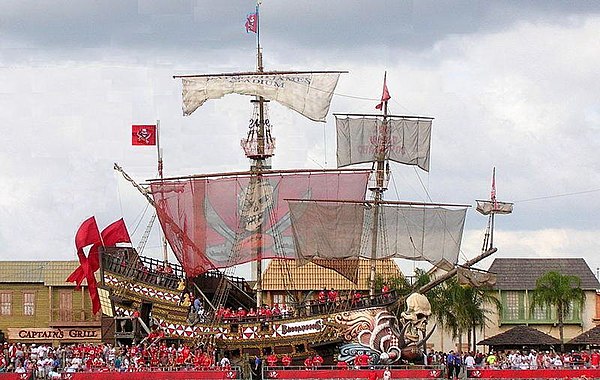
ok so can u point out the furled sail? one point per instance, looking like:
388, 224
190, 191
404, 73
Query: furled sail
488, 207
476, 278
220, 222
430, 234
308, 93
362, 138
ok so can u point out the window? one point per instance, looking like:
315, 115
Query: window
574, 314
282, 299
540, 313
29, 303
513, 306
5, 303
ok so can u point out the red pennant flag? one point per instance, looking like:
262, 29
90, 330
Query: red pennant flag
114, 233
252, 23
87, 234
385, 96
143, 135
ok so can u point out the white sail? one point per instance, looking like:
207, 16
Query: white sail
306, 93
404, 140
430, 234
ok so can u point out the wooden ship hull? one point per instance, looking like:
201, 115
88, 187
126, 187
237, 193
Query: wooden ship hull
134, 285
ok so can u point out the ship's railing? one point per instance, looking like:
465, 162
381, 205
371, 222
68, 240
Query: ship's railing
145, 269
314, 307
239, 282
126, 262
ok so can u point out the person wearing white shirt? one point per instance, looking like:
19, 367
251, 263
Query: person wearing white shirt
470, 361
387, 374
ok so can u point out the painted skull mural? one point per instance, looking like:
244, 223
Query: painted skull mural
380, 334
255, 199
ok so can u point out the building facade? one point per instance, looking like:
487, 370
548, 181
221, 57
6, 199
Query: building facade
284, 280
516, 278
37, 304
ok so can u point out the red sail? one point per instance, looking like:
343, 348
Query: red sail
217, 223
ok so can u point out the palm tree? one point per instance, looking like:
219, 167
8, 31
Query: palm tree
460, 309
457, 309
555, 290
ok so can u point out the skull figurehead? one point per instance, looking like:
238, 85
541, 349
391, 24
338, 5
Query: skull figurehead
418, 310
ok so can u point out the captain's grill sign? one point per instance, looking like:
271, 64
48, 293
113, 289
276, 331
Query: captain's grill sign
45, 334
300, 328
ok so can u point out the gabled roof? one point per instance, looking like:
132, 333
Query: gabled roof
522, 273
520, 335
49, 273
313, 277
591, 337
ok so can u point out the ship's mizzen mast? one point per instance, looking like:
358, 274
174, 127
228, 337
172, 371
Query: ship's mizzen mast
491, 208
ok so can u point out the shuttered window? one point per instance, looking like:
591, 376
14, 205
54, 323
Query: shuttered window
29, 303
5, 303
65, 306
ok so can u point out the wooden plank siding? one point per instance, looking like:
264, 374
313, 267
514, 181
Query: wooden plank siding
18, 315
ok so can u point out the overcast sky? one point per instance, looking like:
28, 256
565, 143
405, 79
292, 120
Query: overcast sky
511, 85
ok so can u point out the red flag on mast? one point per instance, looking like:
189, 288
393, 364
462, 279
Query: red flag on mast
252, 22
385, 96
493, 192
143, 135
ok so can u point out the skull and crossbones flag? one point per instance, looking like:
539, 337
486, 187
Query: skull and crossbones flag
143, 135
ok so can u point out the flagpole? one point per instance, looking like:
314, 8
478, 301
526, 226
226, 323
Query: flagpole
494, 206
158, 150
160, 175
260, 67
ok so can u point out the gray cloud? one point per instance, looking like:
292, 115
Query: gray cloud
509, 85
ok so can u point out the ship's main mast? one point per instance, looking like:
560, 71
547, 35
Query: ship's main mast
259, 147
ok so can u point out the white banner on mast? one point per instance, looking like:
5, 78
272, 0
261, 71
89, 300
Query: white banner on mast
306, 93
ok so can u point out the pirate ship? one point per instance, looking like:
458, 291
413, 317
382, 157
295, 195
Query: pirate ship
330, 217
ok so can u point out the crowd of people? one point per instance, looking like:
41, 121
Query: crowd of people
265, 312
456, 362
47, 362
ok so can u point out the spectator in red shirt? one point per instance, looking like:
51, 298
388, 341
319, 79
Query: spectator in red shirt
286, 360
272, 360
317, 361
595, 359
308, 362
332, 295
356, 297
322, 297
